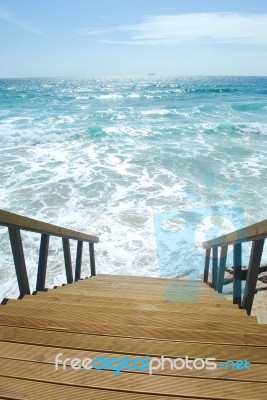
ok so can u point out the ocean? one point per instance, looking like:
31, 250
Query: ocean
110, 157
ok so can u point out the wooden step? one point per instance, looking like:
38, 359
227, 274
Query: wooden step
201, 336
158, 280
152, 288
45, 354
135, 383
141, 279
142, 347
187, 308
166, 302
118, 316
17, 389
56, 319
89, 310
144, 284
171, 295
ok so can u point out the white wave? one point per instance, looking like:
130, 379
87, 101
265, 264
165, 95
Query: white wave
91, 152
63, 119
127, 130
155, 112
252, 128
28, 136
134, 95
113, 96
55, 168
82, 97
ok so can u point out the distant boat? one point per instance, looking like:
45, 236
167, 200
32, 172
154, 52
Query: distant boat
151, 73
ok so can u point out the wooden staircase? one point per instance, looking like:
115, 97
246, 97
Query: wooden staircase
117, 316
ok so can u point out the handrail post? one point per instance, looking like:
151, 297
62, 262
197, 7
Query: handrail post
237, 273
19, 260
15, 223
214, 267
92, 259
207, 265
42, 264
252, 274
78, 260
67, 257
255, 233
222, 264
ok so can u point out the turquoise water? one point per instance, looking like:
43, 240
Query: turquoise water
105, 156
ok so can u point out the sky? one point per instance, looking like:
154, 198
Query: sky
101, 38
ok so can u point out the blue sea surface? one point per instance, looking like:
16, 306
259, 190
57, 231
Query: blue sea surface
106, 156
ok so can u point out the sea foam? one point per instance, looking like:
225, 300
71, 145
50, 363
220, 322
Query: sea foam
104, 156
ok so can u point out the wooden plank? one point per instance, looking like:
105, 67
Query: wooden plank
92, 259
87, 310
252, 274
17, 389
42, 264
35, 301
207, 264
221, 272
191, 285
132, 305
20, 222
19, 260
78, 265
94, 299
46, 322
67, 259
153, 289
44, 354
173, 294
119, 328
113, 277
171, 290
135, 383
146, 331
141, 347
140, 280
151, 286
145, 281
214, 267
251, 232
237, 273
54, 318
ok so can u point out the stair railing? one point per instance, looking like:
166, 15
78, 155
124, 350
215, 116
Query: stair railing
15, 223
256, 234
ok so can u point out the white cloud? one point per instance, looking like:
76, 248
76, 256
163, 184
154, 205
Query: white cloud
184, 28
7, 16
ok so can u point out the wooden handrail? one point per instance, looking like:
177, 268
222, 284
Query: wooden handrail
249, 233
15, 223
20, 222
256, 234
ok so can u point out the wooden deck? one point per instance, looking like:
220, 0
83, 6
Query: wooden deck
117, 316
